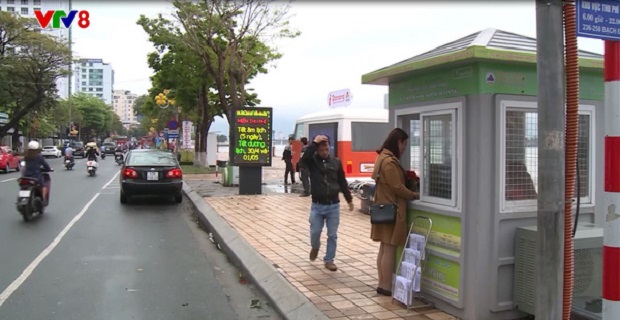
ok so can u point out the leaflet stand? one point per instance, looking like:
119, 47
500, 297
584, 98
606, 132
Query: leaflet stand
419, 266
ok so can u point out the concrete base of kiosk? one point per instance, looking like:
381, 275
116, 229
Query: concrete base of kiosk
250, 180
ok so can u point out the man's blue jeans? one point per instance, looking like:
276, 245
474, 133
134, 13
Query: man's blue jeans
321, 214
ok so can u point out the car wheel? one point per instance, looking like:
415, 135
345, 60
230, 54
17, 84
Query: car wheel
123, 198
178, 198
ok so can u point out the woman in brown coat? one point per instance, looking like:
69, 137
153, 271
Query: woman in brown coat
391, 188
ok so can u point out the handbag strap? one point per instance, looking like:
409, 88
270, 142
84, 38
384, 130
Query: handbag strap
378, 177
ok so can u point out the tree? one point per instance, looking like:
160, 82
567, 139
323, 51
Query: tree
183, 72
230, 37
30, 64
95, 117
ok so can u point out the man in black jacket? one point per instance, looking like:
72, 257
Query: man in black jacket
287, 157
303, 171
327, 180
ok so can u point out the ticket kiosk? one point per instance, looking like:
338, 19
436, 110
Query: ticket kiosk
470, 107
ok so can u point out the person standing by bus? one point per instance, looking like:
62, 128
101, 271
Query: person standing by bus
303, 170
287, 157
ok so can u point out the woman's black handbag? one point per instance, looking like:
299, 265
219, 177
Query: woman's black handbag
382, 213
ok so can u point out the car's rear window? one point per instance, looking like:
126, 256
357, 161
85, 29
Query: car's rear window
151, 159
49, 148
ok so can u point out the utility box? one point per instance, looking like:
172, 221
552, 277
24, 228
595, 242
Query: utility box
211, 149
470, 108
587, 289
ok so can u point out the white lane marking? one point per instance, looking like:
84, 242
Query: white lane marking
33, 265
7, 180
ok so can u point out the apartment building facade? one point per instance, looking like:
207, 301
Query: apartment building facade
96, 78
123, 106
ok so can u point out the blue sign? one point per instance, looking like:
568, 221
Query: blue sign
173, 125
599, 19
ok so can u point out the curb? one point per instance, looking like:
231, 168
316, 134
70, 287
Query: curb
286, 299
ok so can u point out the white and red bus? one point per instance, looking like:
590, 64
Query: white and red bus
354, 133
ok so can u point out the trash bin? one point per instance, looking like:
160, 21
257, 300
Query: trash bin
368, 192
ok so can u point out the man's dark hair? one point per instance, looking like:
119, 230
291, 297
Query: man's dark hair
291, 139
392, 140
304, 140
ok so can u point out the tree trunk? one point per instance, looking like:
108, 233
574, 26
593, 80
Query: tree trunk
15, 138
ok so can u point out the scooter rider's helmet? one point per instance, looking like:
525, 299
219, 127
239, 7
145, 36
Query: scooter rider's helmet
33, 145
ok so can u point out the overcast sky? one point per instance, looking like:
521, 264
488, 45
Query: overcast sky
339, 42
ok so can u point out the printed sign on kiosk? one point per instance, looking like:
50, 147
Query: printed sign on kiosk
252, 137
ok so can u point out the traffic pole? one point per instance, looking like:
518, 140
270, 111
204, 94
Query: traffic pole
611, 241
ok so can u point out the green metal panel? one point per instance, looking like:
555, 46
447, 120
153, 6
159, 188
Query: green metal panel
483, 78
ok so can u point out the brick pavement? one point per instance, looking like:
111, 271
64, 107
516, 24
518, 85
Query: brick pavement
276, 225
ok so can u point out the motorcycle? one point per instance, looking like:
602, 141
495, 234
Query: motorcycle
68, 163
118, 157
102, 155
30, 200
91, 167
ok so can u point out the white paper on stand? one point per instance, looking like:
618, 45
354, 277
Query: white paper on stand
417, 242
412, 256
417, 280
407, 270
403, 290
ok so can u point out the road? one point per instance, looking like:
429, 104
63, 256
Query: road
89, 257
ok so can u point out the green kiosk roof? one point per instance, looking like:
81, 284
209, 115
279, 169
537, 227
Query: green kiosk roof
486, 45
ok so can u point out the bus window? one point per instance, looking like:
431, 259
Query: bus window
328, 129
368, 136
299, 131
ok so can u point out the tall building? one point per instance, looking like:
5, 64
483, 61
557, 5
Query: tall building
96, 78
123, 106
26, 8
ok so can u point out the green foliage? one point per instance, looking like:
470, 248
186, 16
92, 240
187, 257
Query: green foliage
30, 64
95, 117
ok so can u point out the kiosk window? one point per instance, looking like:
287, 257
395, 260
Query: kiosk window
521, 155
437, 148
368, 136
415, 144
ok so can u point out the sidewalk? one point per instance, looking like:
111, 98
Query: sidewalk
276, 225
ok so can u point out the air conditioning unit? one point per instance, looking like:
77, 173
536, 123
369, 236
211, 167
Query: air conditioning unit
587, 290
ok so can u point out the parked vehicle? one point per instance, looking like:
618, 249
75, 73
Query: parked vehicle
151, 172
8, 160
30, 202
355, 134
51, 151
78, 149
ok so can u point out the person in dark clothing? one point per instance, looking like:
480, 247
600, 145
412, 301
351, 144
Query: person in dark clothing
35, 166
327, 180
287, 157
91, 151
303, 171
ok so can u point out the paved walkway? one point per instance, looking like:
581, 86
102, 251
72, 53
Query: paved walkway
276, 225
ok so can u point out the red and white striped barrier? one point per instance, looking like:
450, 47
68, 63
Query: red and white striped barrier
611, 242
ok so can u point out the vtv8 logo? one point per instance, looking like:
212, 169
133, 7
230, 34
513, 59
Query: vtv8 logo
57, 16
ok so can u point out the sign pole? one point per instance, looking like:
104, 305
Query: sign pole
550, 219
611, 235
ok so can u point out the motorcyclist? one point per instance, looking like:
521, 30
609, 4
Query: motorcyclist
91, 151
118, 152
35, 166
69, 154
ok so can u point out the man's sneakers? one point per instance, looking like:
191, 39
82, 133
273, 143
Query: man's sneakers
330, 266
313, 254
